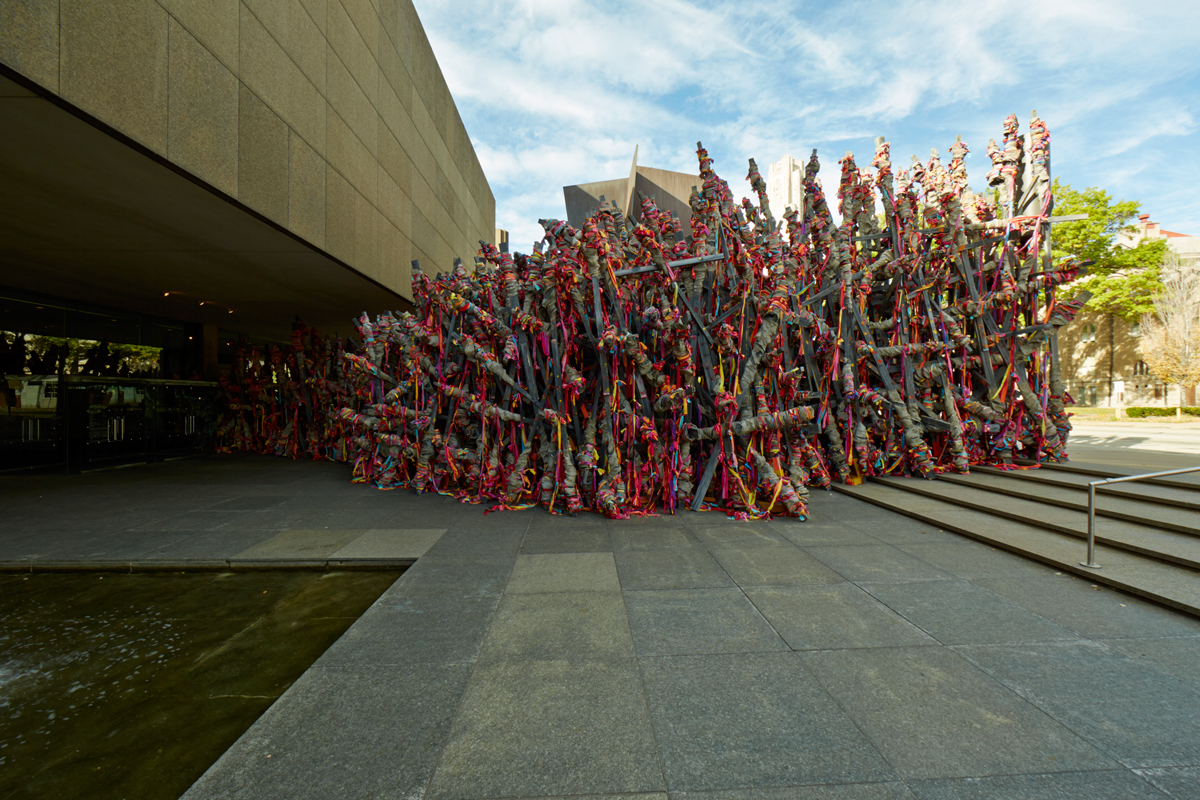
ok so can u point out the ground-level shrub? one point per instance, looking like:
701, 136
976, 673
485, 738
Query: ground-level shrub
1158, 411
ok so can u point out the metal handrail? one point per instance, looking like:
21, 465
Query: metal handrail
1091, 539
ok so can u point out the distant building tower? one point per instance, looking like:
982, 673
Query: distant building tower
670, 191
785, 186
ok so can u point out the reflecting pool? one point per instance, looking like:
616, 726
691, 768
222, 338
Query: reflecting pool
130, 686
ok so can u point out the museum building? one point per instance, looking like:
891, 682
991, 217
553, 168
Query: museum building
176, 176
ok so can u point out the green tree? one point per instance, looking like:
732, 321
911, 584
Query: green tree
1123, 280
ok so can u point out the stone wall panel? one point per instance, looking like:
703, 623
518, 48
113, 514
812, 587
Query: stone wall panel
272, 75
347, 98
340, 204
113, 65
263, 158
306, 191
292, 27
203, 112
214, 24
29, 40
350, 157
329, 117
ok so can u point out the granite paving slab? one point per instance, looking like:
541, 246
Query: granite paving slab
342, 733
200, 520
540, 519
833, 617
46, 544
533, 728
773, 566
828, 532
832, 791
1177, 656
1174, 781
531, 655
674, 538
752, 720
575, 538
460, 540
206, 545
744, 536
881, 562
440, 627
124, 545
959, 612
908, 531
695, 621
1137, 715
1117, 784
973, 560
676, 568
398, 543
564, 572
301, 544
932, 714
464, 575
250, 502
567, 625
1090, 609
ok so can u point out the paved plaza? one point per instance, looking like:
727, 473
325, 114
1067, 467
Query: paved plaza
860, 654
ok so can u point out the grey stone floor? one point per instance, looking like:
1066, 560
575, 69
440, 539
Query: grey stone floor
858, 655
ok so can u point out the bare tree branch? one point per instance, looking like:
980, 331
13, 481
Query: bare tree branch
1170, 343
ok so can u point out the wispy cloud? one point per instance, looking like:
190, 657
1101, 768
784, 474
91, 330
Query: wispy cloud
556, 92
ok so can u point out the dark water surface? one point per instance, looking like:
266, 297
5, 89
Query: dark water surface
130, 686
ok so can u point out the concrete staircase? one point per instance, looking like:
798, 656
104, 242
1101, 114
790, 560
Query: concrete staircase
1147, 533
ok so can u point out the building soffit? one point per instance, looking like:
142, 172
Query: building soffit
89, 214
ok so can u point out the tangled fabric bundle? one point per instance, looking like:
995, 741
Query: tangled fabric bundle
283, 402
630, 368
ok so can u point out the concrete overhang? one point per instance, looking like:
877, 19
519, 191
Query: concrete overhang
88, 214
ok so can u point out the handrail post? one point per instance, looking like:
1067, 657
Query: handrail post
1091, 553
1091, 535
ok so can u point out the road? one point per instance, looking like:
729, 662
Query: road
1154, 436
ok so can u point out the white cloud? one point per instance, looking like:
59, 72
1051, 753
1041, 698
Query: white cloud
557, 92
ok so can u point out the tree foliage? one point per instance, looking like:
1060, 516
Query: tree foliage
1170, 343
1122, 280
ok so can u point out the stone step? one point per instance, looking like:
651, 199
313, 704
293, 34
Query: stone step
1170, 584
1138, 538
1139, 490
1185, 481
1142, 510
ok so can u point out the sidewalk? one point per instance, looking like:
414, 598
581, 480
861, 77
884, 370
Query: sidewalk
857, 655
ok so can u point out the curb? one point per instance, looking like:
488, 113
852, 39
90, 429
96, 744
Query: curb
208, 565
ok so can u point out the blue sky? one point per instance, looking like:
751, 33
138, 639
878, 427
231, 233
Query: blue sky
558, 92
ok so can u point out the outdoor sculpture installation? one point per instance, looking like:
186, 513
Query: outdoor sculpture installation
633, 369
284, 401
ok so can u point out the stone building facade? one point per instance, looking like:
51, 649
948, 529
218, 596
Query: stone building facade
1098, 353
669, 190
785, 186
325, 125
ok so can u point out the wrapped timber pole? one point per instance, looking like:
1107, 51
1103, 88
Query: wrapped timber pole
630, 369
